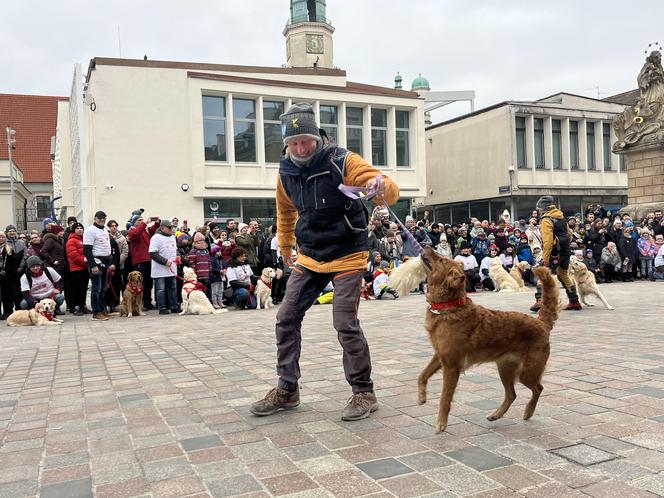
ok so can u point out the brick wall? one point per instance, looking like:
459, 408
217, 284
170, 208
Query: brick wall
645, 176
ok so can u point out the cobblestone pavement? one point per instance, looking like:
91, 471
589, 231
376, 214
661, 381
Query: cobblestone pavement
158, 406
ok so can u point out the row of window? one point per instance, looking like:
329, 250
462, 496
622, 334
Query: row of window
245, 125
556, 145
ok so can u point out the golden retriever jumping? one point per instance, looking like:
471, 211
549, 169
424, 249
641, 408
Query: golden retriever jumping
463, 334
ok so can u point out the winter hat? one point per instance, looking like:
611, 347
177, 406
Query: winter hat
544, 202
56, 229
46, 221
578, 254
493, 247
628, 223
491, 237
384, 264
34, 260
199, 237
299, 120
215, 249
77, 225
241, 226
589, 251
409, 218
10, 227
183, 237
479, 231
166, 224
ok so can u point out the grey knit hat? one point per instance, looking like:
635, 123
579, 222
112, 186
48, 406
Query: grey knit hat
544, 202
299, 120
33, 260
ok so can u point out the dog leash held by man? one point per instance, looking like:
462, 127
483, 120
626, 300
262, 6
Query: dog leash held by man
331, 232
556, 237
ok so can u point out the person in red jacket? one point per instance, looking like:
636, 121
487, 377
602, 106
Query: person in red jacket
139, 242
78, 271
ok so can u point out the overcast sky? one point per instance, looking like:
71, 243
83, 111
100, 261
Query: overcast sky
502, 49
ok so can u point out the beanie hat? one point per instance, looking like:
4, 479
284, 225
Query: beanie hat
34, 260
166, 224
241, 226
46, 221
409, 218
10, 227
544, 202
299, 120
77, 225
56, 229
384, 264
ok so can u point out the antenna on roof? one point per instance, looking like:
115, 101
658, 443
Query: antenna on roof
145, 57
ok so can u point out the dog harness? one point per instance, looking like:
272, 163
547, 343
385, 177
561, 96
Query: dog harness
135, 289
436, 308
196, 285
267, 284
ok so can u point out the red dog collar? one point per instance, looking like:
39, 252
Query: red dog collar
135, 290
445, 305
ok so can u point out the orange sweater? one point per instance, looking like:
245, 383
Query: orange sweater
358, 174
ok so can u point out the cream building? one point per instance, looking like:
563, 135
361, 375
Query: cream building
202, 141
507, 155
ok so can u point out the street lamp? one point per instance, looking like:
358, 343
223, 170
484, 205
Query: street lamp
11, 140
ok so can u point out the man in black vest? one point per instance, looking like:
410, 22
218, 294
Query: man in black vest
556, 237
331, 232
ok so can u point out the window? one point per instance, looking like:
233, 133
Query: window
590, 145
262, 210
329, 121
606, 142
43, 203
221, 209
403, 149
539, 143
354, 123
574, 145
521, 142
214, 128
623, 165
556, 143
272, 130
379, 137
244, 128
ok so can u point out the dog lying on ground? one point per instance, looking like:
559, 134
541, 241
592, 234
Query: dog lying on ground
586, 284
132, 297
516, 272
464, 334
194, 300
501, 279
264, 289
42, 314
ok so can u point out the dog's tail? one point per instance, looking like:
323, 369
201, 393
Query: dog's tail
550, 297
407, 276
220, 310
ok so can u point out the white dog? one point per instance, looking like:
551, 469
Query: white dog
194, 300
501, 279
42, 314
264, 289
585, 283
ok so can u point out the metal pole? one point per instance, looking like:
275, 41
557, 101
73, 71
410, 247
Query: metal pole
11, 174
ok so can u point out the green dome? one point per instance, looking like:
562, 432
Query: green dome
420, 83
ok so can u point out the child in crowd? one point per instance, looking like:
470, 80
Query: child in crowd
508, 259
647, 252
217, 278
485, 279
443, 248
200, 261
626, 250
591, 264
381, 282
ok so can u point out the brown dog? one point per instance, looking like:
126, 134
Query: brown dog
132, 297
464, 334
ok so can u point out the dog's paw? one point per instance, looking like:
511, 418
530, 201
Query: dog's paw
492, 416
611, 308
440, 428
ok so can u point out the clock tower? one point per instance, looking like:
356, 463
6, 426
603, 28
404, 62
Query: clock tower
308, 35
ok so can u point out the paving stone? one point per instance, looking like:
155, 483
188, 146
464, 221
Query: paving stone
304, 451
129, 488
410, 485
516, 477
81, 488
180, 486
530, 456
234, 486
478, 458
324, 465
345, 484
611, 489
425, 461
381, 469
584, 454
167, 469
129, 398
289, 483
201, 442
461, 480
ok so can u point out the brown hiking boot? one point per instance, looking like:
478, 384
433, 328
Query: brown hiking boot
275, 400
537, 306
99, 317
575, 306
359, 406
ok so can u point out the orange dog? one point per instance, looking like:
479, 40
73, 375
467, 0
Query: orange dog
463, 334
132, 297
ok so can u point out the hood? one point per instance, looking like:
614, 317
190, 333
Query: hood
555, 214
49, 236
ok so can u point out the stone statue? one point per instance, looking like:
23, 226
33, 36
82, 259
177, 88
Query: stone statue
643, 123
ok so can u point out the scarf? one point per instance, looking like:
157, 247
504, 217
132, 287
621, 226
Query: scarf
303, 161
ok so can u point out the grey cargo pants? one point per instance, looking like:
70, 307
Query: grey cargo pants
303, 288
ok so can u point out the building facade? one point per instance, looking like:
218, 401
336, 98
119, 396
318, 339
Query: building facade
506, 156
202, 141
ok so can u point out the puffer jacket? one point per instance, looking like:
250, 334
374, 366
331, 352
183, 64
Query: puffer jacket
53, 252
75, 254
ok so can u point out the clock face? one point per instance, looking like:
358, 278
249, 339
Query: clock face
314, 44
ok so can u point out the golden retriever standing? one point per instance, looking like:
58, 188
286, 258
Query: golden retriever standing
42, 314
264, 289
132, 297
194, 300
464, 334
586, 284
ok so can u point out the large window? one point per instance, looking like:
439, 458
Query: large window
244, 128
215, 208
214, 128
539, 143
574, 145
354, 123
590, 145
403, 137
272, 130
623, 164
262, 210
606, 143
556, 143
379, 137
43, 203
329, 121
521, 142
